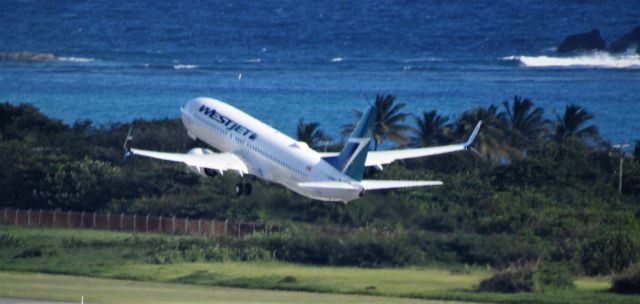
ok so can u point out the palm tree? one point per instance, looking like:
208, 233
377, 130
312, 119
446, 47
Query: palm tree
347, 129
525, 123
310, 134
572, 125
432, 129
491, 141
388, 123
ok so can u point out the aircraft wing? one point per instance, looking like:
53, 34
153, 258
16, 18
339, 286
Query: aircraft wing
379, 158
214, 161
390, 184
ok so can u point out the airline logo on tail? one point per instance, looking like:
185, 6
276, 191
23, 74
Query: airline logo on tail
352, 158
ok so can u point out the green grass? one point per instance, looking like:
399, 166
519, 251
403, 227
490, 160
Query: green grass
325, 279
101, 254
70, 288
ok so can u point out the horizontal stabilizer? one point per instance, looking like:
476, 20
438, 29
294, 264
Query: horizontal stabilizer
391, 184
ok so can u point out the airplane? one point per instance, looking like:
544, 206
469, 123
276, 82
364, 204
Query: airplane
250, 147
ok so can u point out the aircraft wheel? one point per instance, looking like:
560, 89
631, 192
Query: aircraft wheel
247, 189
239, 189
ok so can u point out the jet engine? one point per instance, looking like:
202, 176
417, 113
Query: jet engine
199, 170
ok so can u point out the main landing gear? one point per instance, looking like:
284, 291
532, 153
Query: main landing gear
243, 188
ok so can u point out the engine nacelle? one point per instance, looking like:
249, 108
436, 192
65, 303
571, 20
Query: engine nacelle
210, 172
199, 170
200, 151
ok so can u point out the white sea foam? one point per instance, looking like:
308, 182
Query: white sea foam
184, 66
422, 59
595, 60
76, 59
337, 59
253, 60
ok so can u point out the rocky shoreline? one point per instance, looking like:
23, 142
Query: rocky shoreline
593, 41
27, 56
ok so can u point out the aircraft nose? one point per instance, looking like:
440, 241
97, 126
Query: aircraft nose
195, 103
192, 102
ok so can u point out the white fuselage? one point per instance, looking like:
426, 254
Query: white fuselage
269, 154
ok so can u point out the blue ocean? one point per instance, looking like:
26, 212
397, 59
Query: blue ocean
282, 60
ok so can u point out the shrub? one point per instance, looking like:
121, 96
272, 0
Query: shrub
527, 277
551, 276
166, 257
498, 250
76, 243
29, 253
8, 240
129, 254
309, 248
610, 252
288, 279
194, 254
217, 253
254, 254
512, 279
628, 281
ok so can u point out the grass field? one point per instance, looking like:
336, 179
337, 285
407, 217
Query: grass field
101, 254
70, 288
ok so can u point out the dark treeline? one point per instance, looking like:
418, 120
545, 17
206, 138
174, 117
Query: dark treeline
536, 187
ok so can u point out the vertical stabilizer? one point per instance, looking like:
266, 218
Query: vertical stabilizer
352, 158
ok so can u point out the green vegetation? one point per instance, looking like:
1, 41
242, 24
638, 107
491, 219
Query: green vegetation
117, 255
538, 189
627, 281
531, 276
551, 276
310, 134
517, 279
70, 288
388, 122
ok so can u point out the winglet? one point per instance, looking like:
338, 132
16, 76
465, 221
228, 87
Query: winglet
473, 135
127, 149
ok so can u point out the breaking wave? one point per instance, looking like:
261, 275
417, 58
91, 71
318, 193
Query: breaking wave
594, 60
184, 66
422, 59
